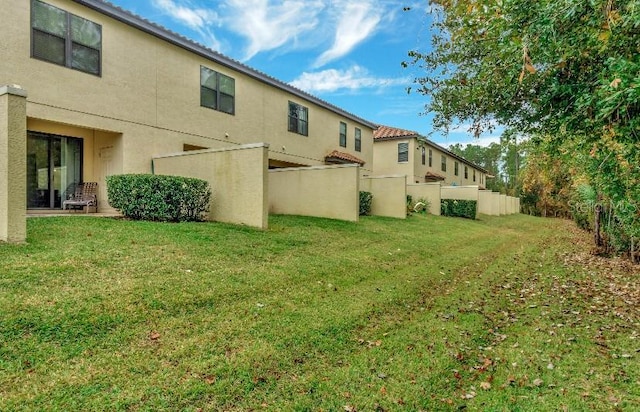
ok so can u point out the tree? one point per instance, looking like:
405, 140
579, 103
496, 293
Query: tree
567, 70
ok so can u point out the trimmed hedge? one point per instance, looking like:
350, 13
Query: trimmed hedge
159, 197
365, 203
458, 208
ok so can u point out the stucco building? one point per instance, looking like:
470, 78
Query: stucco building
399, 151
108, 91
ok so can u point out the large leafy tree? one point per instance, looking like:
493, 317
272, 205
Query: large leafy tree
568, 70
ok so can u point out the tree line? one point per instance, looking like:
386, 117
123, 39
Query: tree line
563, 74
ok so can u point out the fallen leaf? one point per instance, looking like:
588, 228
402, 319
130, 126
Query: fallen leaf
530, 68
349, 408
485, 385
154, 336
537, 382
615, 83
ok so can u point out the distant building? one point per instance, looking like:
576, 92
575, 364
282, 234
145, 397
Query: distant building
399, 151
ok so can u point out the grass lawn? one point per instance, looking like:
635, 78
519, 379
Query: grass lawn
429, 313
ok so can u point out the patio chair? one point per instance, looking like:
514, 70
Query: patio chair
85, 196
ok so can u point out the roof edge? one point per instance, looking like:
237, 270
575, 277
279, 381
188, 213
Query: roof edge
127, 17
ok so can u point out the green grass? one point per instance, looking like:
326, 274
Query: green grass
429, 313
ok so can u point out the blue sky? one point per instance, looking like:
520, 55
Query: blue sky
347, 52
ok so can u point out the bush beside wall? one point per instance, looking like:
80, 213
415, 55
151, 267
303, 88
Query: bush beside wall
159, 197
458, 208
365, 203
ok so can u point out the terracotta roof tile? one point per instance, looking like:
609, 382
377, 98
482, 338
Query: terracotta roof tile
433, 176
386, 132
344, 157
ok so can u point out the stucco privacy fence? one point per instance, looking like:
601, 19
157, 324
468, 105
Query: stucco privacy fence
237, 176
322, 191
389, 195
428, 191
13, 164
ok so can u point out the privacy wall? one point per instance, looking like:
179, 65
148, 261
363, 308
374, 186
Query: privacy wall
321, 191
428, 191
237, 176
389, 195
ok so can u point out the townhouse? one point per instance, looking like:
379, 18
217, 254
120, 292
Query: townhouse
399, 151
107, 91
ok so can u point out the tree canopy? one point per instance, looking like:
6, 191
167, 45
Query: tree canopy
566, 73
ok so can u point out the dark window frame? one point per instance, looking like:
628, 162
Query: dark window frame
424, 155
430, 158
403, 152
71, 44
455, 168
343, 134
474, 175
358, 139
296, 123
218, 94
443, 163
466, 172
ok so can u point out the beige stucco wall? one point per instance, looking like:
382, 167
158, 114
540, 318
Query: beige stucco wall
321, 191
389, 195
486, 202
385, 159
503, 204
13, 164
429, 191
237, 177
495, 203
147, 100
460, 192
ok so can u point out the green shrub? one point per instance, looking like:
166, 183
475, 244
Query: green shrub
158, 197
458, 208
365, 203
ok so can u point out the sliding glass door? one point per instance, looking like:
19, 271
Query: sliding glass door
54, 167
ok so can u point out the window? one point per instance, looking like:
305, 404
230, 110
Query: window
358, 140
343, 134
65, 39
474, 175
455, 168
424, 155
298, 119
217, 91
466, 172
443, 166
430, 158
403, 152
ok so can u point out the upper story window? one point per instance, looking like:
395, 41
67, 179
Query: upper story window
443, 165
424, 155
217, 91
430, 158
466, 172
403, 152
66, 39
358, 140
455, 168
343, 134
298, 119
474, 175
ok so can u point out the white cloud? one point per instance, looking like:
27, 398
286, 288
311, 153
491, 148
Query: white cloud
197, 19
335, 27
354, 78
356, 22
269, 26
